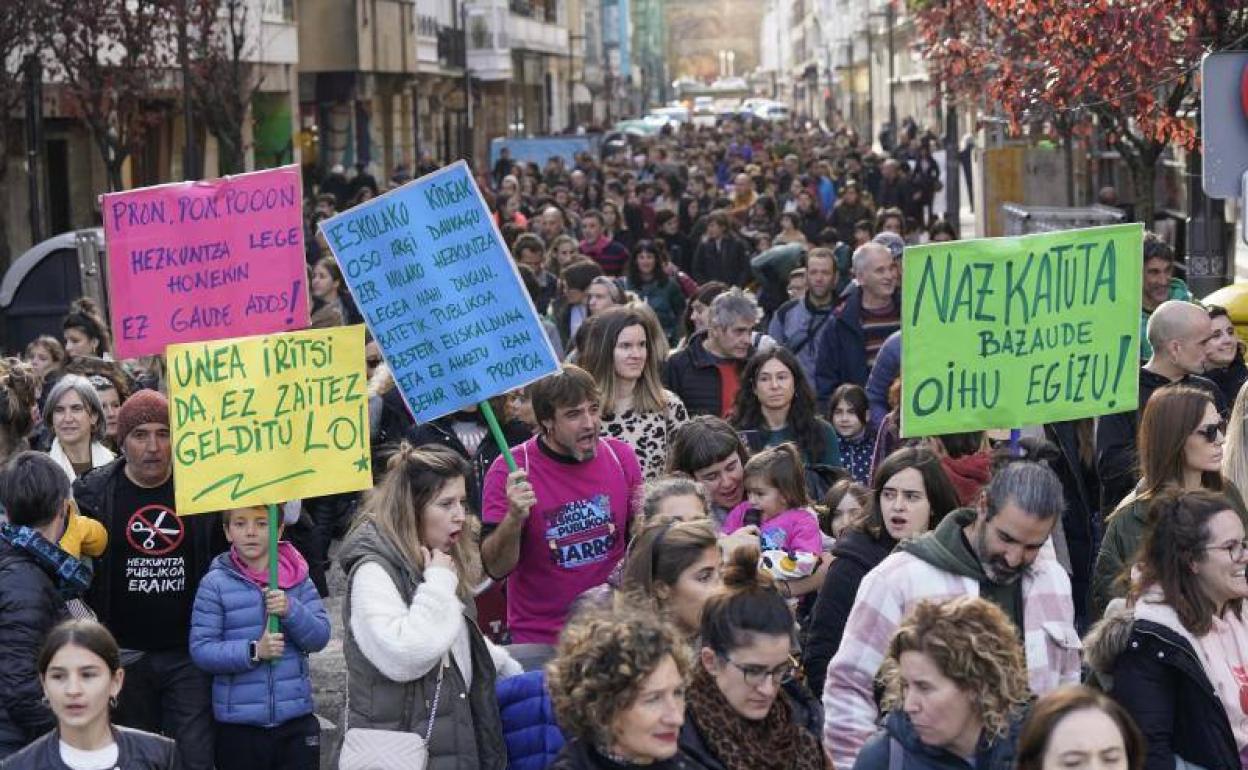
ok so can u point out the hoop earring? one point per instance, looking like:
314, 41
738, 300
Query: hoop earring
112, 701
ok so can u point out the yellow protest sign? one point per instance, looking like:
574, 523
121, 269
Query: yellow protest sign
266, 419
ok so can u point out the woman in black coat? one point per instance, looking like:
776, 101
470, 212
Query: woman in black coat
1171, 659
910, 495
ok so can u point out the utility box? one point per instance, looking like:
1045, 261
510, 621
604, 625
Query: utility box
1024, 220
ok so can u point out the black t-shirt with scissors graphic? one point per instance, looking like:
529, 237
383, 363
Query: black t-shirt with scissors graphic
152, 592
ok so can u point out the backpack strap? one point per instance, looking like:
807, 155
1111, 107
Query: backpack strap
896, 754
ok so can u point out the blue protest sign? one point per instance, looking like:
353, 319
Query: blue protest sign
440, 293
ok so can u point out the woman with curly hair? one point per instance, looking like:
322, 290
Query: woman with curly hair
618, 686
19, 388
746, 711
955, 690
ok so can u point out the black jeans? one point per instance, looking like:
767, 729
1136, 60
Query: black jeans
294, 745
165, 693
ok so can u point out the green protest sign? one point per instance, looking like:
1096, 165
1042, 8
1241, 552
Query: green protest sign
1006, 332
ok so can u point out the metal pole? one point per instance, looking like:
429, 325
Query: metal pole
870, 87
190, 165
34, 144
416, 125
953, 168
889, 16
466, 144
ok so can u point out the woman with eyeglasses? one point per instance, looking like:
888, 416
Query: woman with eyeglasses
745, 710
1181, 440
955, 690
75, 416
1176, 660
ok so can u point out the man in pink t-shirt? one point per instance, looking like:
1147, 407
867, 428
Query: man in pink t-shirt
559, 525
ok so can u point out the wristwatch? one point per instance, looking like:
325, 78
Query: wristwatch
253, 651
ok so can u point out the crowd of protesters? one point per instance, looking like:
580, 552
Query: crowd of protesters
716, 552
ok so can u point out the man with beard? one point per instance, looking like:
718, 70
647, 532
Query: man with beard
557, 526
997, 551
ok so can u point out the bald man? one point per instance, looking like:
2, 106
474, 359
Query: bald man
1177, 332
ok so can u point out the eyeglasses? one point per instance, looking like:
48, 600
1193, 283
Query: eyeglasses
1235, 550
755, 675
1210, 432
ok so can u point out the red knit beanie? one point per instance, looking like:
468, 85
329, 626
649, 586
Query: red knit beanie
143, 407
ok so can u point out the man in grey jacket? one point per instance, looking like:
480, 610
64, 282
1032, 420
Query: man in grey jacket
799, 323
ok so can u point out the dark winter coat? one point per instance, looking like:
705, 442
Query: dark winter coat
1230, 378
723, 260
855, 554
692, 374
136, 750
29, 606
1081, 521
1154, 672
843, 348
899, 733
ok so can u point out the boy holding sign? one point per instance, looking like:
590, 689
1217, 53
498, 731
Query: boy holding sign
261, 691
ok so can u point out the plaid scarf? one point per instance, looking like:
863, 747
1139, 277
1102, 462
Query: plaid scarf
73, 576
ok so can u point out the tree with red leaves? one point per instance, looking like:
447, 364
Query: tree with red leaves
1127, 68
223, 82
111, 58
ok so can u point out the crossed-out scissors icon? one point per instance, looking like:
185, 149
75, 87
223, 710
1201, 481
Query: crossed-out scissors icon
141, 527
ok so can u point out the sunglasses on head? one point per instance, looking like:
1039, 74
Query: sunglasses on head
1210, 432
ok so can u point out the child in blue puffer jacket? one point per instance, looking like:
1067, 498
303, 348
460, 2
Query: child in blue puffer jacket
261, 690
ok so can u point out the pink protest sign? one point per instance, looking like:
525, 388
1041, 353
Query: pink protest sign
199, 261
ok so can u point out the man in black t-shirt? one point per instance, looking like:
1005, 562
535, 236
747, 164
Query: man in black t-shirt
145, 582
